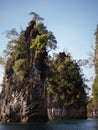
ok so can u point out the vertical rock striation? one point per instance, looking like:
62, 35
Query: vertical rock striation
24, 97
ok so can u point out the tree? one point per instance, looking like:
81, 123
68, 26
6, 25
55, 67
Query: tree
66, 87
95, 84
36, 17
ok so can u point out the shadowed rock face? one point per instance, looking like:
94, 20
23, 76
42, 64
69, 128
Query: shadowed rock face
25, 100
57, 110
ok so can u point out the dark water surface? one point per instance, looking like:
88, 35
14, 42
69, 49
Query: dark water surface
89, 124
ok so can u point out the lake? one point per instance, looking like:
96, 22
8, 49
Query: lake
89, 124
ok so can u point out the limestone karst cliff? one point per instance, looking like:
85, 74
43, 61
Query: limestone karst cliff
24, 92
93, 104
37, 87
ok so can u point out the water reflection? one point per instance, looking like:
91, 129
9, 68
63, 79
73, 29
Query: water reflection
27, 126
90, 124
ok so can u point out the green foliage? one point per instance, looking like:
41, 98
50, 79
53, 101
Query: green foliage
41, 28
51, 43
10, 47
17, 54
2, 62
12, 34
95, 84
44, 42
20, 50
50, 38
95, 88
21, 47
36, 17
40, 43
66, 81
96, 51
21, 64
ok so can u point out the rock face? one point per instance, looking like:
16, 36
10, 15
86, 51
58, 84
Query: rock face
57, 110
63, 113
25, 100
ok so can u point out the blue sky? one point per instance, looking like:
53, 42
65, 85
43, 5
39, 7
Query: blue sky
73, 23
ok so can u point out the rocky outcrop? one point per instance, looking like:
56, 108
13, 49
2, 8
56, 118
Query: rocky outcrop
24, 96
63, 113
25, 100
57, 110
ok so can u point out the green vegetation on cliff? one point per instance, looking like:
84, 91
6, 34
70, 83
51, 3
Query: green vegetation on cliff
21, 46
28, 67
95, 84
23, 93
93, 103
66, 87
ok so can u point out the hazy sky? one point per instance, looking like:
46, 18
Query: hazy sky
73, 22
